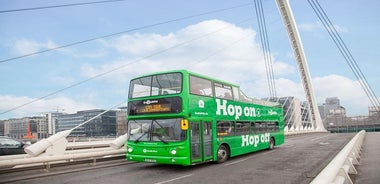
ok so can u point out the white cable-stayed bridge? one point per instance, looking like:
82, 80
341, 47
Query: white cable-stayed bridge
297, 125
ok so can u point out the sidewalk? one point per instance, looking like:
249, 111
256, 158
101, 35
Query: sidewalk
369, 168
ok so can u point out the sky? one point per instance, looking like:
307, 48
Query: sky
139, 37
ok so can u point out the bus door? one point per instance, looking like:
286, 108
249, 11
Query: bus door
201, 141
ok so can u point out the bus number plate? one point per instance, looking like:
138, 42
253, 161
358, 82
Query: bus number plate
150, 160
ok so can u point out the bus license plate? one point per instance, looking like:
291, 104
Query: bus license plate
150, 160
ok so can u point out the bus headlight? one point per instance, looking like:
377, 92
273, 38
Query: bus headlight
130, 149
173, 152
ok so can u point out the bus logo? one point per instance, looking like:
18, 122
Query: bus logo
150, 102
271, 112
201, 104
149, 151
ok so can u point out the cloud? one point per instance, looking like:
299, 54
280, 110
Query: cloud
214, 47
218, 55
318, 26
286, 87
348, 91
142, 44
45, 105
24, 46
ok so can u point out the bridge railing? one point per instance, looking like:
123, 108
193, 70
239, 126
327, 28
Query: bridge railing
69, 156
72, 152
343, 164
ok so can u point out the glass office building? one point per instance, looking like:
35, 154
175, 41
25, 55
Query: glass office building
104, 125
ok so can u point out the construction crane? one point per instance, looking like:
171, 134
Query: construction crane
29, 135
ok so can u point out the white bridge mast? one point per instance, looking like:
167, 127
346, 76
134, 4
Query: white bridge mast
290, 24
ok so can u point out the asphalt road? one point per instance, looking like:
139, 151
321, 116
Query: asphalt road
297, 161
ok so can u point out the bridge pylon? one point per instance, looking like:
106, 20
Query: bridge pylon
295, 40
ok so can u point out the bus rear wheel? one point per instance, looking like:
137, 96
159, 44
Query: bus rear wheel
223, 154
271, 144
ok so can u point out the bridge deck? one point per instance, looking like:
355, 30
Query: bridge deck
369, 168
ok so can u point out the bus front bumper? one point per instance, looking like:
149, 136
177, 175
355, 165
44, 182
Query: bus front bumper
159, 159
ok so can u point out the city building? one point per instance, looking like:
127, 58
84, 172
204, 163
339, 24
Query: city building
102, 125
121, 121
332, 107
2, 127
374, 111
333, 113
52, 122
29, 129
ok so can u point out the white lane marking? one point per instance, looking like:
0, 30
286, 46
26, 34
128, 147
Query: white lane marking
319, 138
167, 181
324, 143
235, 162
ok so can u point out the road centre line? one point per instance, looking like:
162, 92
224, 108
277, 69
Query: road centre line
167, 181
319, 138
235, 162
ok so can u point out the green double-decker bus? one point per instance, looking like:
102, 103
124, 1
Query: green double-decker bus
180, 117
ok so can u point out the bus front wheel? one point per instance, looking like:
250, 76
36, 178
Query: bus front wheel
223, 154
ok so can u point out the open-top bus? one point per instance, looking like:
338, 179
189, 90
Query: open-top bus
180, 117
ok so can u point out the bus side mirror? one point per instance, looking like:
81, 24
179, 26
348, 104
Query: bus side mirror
184, 124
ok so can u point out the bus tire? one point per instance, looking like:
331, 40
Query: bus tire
271, 143
223, 154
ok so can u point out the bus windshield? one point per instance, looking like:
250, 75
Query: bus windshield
162, 84
164, 130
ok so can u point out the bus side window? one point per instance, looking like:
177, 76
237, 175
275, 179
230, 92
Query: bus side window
242, 128
273, 127
223, 91
236, 94
244, 98
225, 128
199, 86
270, 126
260, 127
253, 130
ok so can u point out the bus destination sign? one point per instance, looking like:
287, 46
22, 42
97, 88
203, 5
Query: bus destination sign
153, 108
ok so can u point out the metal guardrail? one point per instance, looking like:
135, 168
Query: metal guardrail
343, 164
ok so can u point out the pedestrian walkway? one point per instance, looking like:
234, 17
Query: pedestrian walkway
369, 168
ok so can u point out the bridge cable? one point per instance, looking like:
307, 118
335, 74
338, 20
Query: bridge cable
348, 56
265, 47
58, 6
122, 32
338, 41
